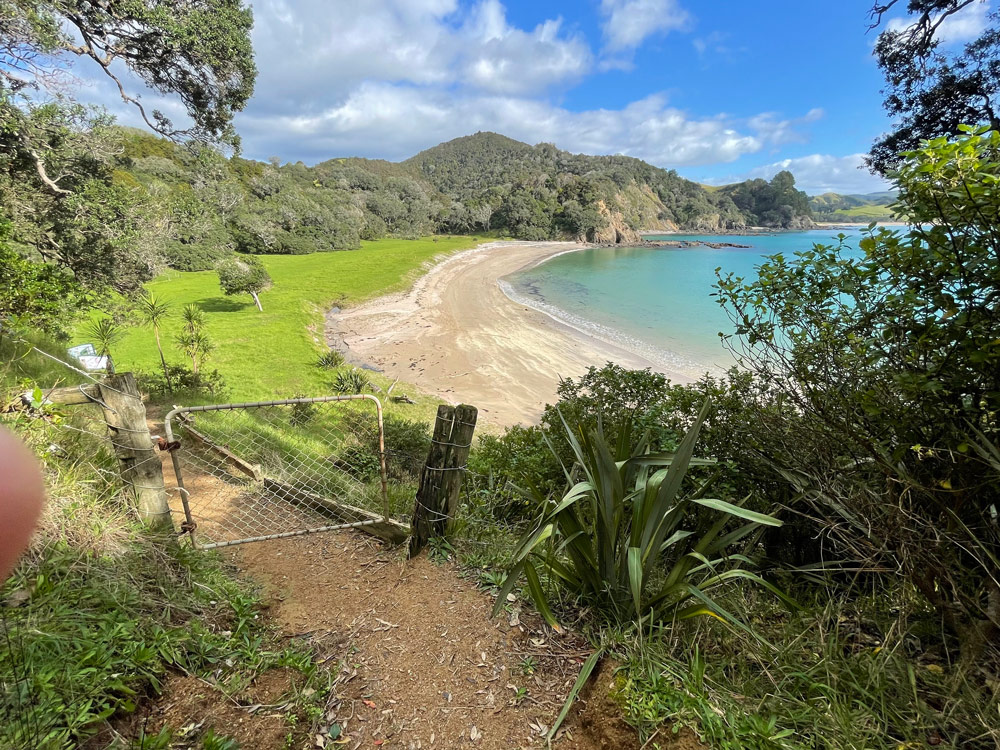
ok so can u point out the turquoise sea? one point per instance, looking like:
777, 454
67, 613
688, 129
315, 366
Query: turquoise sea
655, 301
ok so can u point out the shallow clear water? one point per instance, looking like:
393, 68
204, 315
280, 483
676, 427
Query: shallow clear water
655, 301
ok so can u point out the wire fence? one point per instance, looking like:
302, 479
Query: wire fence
265, 470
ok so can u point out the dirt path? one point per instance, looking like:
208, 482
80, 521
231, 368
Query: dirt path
418, 658
425, 665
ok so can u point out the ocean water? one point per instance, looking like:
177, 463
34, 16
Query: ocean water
657, 302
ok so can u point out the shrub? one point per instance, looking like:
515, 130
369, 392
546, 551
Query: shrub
617, 539
330, 360
351, 382
890, 360
406, 444
184, 380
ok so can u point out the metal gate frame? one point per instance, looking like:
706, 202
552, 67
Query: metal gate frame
189, 518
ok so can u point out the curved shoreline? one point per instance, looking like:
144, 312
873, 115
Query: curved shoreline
458, 336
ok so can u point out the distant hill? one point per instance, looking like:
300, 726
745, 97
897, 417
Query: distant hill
835, 207
541, 191
207, 206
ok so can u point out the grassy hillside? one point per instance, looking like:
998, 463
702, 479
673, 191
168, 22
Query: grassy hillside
274, 352
853, 208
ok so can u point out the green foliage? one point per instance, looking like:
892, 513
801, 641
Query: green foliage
198, 52
407, 442
193, 339
839, 675
891, 362
184, 384
154, 312
351, 381
330, 360
771, 204
243, 276
33, 294
105, 333
933, 84
69, 204
617, 539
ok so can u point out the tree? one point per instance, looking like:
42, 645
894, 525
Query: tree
892, 362
198, 51
32, 295
245, 275
105, 334
932, 87
154, 311
58, 185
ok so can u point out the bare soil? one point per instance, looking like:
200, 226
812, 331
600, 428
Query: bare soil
420, 662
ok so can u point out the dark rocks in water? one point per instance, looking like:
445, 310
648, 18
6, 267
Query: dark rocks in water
677, 243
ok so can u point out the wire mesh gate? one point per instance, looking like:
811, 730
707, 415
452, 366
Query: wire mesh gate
267, 470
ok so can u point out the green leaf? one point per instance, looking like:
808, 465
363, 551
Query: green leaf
635, 577
585, 672
735, 510
538, 596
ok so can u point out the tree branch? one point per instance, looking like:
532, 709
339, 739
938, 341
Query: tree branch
40, 169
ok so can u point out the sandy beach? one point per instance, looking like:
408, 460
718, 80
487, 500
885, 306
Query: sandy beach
457, 336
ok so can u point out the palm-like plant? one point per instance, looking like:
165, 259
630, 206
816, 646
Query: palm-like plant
350, 382
154, 311
618, 540
192, 340
105, 334
196, 345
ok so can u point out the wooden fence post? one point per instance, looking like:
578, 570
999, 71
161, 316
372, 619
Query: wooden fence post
125, 415
441, 477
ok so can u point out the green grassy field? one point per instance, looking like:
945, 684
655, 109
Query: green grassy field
272, 353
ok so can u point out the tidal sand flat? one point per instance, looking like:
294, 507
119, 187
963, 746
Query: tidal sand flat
458, 336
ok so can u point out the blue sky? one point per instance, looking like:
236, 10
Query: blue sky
719, 90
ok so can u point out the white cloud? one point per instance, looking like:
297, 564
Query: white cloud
817, 174
313, 51
388, 78
961, 27
628, 23
502, 59
396, 121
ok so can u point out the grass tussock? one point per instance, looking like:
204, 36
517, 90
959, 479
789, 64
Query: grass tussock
840, 675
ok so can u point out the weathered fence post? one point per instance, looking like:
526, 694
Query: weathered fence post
125, 415
441, 476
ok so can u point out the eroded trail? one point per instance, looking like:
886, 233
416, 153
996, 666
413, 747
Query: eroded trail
420, 662
424, 663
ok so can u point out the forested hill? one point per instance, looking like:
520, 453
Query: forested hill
199, 206
533, 190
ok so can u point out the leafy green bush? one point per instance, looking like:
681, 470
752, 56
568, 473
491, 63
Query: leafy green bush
360, 461
406, 444
183, 381
351, 382
618, 540
508, 465
330, 360
891, 360
196, 256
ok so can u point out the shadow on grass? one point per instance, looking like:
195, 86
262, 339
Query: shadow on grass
222, 304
